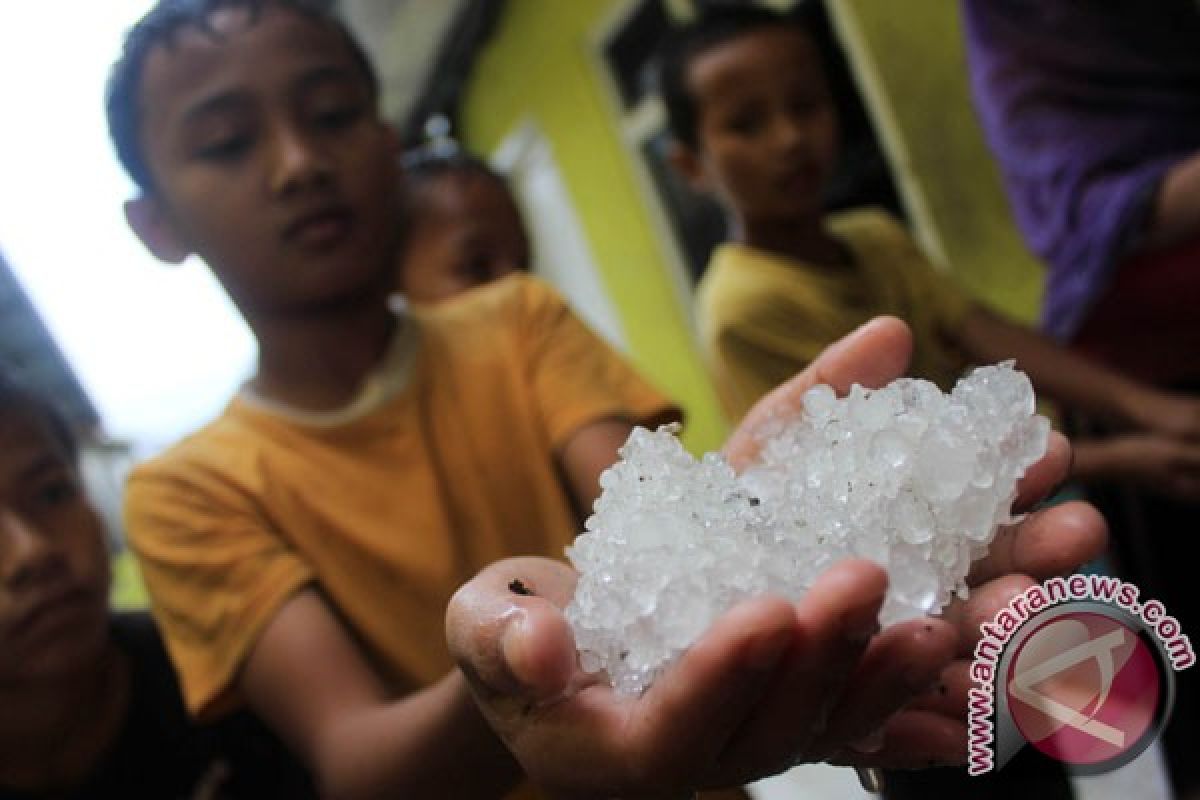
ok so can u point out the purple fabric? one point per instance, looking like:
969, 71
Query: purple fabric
1086, 104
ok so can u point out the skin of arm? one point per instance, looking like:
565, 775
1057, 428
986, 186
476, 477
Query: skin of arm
358, 740
591, 450
1176, 215
1164, 427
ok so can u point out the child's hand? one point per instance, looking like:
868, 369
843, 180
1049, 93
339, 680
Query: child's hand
770, 684
1159, 463
1166, 414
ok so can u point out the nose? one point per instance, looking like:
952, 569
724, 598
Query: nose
789, 132
298, 162
26, 556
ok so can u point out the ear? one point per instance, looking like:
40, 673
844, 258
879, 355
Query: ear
685, 161
149, 220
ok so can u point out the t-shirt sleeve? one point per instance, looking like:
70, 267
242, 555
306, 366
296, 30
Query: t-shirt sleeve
577, 378
948, 302
759, 350
757, 335
215, 572
940, 297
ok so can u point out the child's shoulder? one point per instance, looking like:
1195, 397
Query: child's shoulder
873, 221
511, 300
222, 447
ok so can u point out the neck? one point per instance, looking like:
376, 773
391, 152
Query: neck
804, 239
317, 361
54, 731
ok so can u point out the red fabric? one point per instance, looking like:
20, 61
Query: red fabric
1148, 322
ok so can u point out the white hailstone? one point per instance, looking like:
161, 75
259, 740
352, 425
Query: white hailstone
916, 480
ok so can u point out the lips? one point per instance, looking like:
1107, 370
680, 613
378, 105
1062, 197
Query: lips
802, 176
320, 229
46, 613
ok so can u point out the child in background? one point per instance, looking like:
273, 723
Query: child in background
462, 227
755, 125
91, 704
301, 550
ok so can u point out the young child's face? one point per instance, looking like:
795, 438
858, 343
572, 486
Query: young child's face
53, 562
466, 232
270, 160
766, 127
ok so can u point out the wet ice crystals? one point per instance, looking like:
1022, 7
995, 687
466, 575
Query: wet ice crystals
911, 478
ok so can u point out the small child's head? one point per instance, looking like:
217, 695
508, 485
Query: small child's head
252, 130
751, 111
54, 574
462, 226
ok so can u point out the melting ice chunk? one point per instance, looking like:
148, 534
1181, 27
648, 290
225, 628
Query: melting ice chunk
907, 476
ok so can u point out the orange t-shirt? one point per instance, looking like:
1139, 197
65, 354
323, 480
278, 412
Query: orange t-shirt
387, 511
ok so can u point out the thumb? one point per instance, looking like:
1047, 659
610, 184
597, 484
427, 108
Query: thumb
873, 355
506, 630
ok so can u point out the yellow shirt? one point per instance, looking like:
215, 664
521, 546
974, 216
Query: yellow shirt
764, 317
388, 509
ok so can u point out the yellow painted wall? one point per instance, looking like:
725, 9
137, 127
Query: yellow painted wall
908, 57
539, 65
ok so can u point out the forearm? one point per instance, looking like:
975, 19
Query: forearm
1176, 214
433, 743
1098, 460
308, 679
1056, 372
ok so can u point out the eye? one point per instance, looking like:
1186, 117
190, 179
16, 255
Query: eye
337, 117
476, 268
745, 122
226, 148
56, 492
807, 105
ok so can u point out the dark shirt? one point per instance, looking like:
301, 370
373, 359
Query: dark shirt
161, 754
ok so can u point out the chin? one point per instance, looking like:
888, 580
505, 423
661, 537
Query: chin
70, 652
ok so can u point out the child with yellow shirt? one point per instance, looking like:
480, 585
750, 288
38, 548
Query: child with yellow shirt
755, 125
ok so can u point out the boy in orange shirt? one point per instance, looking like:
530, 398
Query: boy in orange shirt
301, 550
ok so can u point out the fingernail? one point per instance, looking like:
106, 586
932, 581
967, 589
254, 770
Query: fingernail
513, 646
763, 654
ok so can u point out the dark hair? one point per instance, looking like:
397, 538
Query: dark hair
15, 395
159, 26
443, 157
716, 24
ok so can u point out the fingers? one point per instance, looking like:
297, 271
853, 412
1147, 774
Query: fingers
834, 623
689, 713
1046, 543
984, 602
948, 696
903, 662
1043, 479
506, 630
874, 355
913, 739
